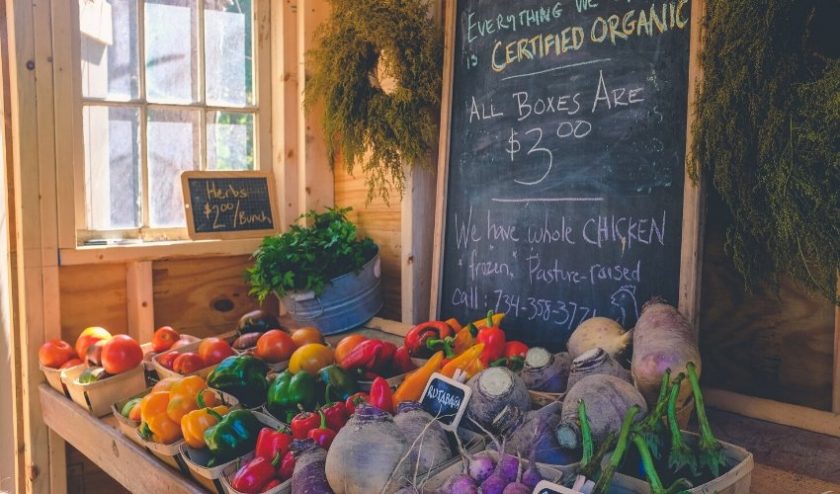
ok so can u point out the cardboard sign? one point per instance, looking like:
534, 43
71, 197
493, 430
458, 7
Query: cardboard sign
445, 399
546, 487
222, 205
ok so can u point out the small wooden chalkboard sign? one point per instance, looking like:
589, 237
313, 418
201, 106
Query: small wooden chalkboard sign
226, 205
446, 399
546, 487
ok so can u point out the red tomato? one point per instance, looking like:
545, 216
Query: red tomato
88, 337
121, 353
73, 362
275, 346
187, 363
168, 358
55, 353
214, 350
181, 343
164, 338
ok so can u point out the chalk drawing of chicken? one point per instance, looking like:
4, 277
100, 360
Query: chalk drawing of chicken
625, 299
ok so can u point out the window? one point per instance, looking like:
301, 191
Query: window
166, 86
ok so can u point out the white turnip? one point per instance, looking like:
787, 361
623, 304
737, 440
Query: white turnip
607, 399
544, 371
662, 340
596, 361
493, 390
599, 332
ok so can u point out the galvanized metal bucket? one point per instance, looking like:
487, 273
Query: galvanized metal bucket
348, 301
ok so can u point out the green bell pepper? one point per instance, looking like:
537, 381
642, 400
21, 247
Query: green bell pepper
290, 392
339, 383
233, 436
243, 376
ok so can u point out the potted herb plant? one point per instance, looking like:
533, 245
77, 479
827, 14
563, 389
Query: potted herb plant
323, 273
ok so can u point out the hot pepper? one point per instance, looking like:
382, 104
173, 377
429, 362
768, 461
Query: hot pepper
234, 435
381, 396
465, 362
287, 466
322, 435
336, 414
243, 376
156, 424
355, 400
339, 383
515, 352
196, 422
494, 341
303, 423
416, 341
289, 391
402, 361
184, 397
272, 442
414, 383
255, 475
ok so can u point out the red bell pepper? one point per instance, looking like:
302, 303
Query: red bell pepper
515, 352
271, 443
322, 435
303, 423
355, 400
416, 341
271, 485
381, 396
402, 361
287, 466
336, 414
369, 355
385, 358
254, 475
494, 341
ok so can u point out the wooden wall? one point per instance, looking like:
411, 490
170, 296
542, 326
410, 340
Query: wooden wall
381, 222
771, 345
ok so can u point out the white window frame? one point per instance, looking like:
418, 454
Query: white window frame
73, 228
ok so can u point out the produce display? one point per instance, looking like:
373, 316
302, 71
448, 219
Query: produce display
336, 438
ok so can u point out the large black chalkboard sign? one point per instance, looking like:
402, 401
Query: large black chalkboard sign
229, 204
565, 162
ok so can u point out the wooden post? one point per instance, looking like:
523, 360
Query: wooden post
140, 300
284, 111
315, 178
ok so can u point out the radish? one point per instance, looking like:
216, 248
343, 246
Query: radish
460, 483
544, 371
599, 332
596, 361
662, 340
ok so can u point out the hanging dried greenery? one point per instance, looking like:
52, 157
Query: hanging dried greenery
768, 135
377, 71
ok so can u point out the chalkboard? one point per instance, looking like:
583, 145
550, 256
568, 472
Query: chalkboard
563, 161
229, 204
446, 400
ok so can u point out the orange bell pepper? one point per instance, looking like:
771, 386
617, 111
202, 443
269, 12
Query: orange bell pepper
465, 362
196, 422
156, 424
183, 397
414, 383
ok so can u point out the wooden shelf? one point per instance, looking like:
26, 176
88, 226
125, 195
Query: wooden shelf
100, 441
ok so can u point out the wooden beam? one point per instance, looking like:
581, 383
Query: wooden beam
109, 449
694, 198
140, 300
284, 111
315, 179
774, 411
157, 251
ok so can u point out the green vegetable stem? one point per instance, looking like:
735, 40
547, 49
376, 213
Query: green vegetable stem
681, 455
618, 454
586, 434
652, 427
656, 486
711, 454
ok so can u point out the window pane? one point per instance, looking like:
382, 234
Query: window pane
112, 167
171, 31
173, 146
230, 141
228, 52
109, 49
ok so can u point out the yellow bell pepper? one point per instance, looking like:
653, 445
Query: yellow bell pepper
156, 424
465, 362
196, 422
414, 383
183, 397
491, 321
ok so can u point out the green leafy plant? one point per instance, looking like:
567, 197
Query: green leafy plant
308, 257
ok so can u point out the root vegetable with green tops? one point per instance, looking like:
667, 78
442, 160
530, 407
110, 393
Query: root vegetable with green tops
618, 454
681, 454
711, 453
